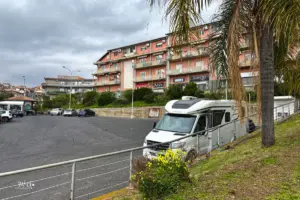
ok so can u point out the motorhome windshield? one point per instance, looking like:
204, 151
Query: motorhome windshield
176, 123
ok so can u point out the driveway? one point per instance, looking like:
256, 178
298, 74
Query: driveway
39, 140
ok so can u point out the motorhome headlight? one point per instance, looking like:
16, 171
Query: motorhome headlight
177, 145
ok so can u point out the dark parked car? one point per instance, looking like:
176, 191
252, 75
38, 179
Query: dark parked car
86, 113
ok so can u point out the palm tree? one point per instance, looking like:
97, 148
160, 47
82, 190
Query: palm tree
273, 26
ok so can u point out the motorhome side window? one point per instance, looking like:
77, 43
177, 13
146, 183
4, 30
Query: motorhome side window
218, 117
201, 124
227, 117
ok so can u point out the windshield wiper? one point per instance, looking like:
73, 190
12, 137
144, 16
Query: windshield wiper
179, 133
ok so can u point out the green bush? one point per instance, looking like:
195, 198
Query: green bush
140, 93
199, 93
163, 176
161, 99
90, 98
174, 92
253, 96
213, 95
190, 89
150, 98
127, 95
106, 98
121, 102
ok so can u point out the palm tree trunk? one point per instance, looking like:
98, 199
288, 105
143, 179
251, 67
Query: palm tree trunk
267, 85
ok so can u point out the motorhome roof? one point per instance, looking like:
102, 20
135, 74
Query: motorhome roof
192, 106
12, 102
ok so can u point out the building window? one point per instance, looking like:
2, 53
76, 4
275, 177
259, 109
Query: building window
143, 75
158, 45
247, 81
143, 48
158, 57
115, 53
115, 65
200, 64
201, 32
142, 60
179, 67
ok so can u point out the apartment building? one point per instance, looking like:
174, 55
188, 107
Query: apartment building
63, 85
158, 63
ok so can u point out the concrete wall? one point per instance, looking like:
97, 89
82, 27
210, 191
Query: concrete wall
140, 112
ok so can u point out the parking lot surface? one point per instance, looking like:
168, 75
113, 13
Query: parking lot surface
39, 140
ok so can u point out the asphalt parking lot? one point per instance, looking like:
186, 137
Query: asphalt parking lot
38, 140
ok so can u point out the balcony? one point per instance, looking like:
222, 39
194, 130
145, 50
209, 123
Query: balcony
245, 63
189, 54
67, 85
149, 78
150, 64
190, 70
104, 83
129, 54
108, 70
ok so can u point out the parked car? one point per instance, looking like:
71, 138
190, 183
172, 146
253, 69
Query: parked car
6, 115
86, 113
17, 113
56, 111
70, 113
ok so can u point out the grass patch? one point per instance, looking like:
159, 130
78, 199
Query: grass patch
248, 171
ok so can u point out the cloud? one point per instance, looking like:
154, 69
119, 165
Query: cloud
38, 37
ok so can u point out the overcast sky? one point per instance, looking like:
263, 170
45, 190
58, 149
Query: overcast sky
38, 37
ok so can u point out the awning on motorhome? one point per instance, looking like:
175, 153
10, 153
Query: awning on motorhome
21, 98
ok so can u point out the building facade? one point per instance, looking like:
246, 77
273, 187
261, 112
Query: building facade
158, 63
63, 85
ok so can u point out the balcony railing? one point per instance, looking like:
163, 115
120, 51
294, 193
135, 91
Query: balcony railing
150, 64
149, 78
68, 85
189, 54
189, 70
245, 63
112, 82
108, 70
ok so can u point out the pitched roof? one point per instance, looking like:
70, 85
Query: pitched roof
20, 98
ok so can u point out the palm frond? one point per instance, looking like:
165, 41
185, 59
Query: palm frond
183, 15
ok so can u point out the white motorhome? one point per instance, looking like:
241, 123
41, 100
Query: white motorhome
12, 105
185, 117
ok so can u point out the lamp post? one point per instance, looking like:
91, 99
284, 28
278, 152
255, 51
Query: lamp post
24, 85
70, 100
132, 95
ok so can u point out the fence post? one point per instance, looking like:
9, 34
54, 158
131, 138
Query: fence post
282, 115
210, 142
73, 181
234, 133
276, 114
198, 145
130, 165
219, 136
289, 109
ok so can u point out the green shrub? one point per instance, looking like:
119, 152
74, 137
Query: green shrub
163, 176
190, 89
161, 99
90, 98
106, 98
174, 92
199, 93
253, 96
127, 95
150, 98
213, 95
121, 102
140, 93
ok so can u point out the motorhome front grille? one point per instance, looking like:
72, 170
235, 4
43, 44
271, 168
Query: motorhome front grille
161, 147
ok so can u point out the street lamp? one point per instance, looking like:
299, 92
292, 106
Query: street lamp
132, 95
24, 85
70, 86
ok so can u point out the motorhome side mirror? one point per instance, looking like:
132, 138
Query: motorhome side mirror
154, 124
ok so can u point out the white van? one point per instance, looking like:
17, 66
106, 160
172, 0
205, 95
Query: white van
185, 117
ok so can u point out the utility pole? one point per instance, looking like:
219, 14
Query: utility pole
24, 86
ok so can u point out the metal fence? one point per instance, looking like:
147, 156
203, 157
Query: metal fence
72, 179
